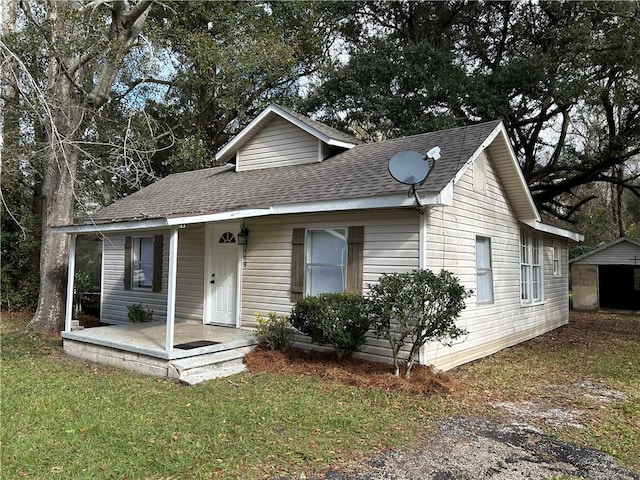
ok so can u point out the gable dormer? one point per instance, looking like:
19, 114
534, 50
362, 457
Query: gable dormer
280, 137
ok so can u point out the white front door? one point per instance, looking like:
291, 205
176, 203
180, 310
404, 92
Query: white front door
223, 258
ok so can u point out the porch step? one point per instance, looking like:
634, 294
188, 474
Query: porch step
193, 370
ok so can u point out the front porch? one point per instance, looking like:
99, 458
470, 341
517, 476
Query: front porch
198, 352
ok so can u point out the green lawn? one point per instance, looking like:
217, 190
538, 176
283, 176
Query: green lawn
63, 418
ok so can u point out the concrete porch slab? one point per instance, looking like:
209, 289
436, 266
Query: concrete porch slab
140, 347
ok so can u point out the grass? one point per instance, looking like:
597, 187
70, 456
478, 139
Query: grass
63, 418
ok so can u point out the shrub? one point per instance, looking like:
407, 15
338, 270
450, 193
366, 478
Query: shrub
274, 331
415, 307
336, 319
138, 313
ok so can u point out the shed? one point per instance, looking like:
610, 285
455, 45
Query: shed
607, 277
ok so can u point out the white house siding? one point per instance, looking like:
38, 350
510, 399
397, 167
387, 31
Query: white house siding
115, 298
190, 273
280, 143
390, 245
450, 238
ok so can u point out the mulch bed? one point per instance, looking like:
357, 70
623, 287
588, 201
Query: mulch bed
350, 371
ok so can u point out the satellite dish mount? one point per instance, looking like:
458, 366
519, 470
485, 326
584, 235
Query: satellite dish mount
412, 168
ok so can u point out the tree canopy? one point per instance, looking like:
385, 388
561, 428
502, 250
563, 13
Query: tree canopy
100, 97
563, 77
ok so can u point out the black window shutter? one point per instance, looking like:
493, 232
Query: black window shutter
355, 254
297, 264
157, 263
127, 263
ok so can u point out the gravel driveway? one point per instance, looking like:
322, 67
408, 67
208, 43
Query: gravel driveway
473, 449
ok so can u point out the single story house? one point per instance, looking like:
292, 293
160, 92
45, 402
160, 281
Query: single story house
607, 277
300, 208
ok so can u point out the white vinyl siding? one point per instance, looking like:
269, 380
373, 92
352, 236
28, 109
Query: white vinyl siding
451, 243
189, 281
190, 274
480, 174
484, 275
115, 298
280, 143
390, 245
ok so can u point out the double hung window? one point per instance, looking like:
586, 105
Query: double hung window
484, 273
557, 258
530, 267
326, 261
142, 262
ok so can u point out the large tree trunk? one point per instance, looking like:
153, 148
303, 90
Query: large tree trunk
68, 108
61, 129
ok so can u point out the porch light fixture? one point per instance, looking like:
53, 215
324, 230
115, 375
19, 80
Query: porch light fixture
243, 241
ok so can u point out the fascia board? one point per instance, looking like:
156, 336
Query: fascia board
363, 203
560, 232
113, 227
226, 150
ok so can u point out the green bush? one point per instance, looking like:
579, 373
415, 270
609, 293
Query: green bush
416, 307
336, 319
273, 331
138, 313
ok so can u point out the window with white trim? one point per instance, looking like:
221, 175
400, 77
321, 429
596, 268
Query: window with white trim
326, 261
142, 262
557, 258
530, 267
484, 273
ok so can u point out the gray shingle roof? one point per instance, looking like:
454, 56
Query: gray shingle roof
355, 173
330, 132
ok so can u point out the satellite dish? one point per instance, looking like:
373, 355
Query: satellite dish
409, 167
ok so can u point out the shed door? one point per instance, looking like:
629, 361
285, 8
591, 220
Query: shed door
222, 280
619, 286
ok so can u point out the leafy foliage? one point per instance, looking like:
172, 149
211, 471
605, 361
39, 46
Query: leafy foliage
564, 77
416, 307
139, 313
273, 331
336, 319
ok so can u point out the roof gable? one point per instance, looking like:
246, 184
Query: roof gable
622, 251
300, 129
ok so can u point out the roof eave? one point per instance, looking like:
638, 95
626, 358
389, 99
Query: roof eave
553, 230
396, 200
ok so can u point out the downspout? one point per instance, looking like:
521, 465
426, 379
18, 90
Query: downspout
171, 290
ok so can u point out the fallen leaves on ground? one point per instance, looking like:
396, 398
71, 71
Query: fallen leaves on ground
352, 371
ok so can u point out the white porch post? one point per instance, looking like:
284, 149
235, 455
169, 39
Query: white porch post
171, 289
71, 271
